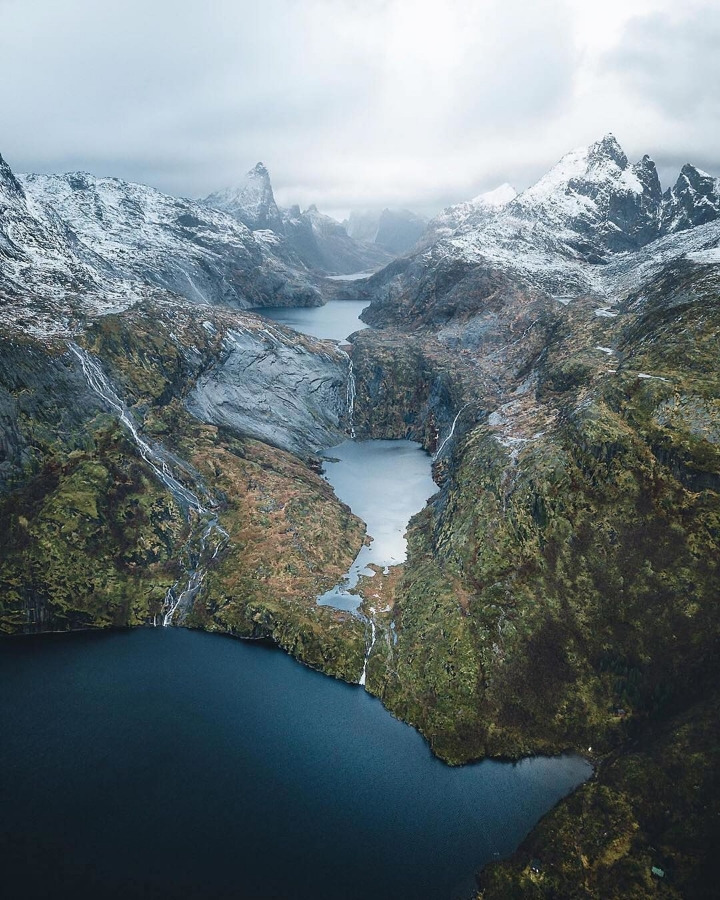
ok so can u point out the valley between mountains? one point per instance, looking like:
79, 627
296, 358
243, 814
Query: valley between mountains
556, 352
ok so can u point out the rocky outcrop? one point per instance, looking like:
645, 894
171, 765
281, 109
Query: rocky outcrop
693, 200
251, 202
268, 386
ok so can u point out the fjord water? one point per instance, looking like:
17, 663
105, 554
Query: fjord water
168, 763
334, 321
385, 483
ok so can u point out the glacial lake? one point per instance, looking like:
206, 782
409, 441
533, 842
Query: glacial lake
165, 763
385, 483
334, 321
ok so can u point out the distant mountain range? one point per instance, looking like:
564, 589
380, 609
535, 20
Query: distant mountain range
395, 230
595, 223
307, 238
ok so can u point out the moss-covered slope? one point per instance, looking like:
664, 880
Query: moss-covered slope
93, 539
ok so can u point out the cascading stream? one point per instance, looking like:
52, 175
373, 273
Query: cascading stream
350, 397
207, 537
350, 394
452, 430
373, 635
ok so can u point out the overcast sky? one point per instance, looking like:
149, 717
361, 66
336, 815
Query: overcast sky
354, 103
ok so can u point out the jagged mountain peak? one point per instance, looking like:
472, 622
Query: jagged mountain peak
9, 185
596, 193
251, 202
602, 161
607, 149
694, 199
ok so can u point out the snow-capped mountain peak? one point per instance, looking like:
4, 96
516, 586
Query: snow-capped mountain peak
693, 200
497, 198
595, 192
252, 201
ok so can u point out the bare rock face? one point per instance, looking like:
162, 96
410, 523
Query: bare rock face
693, 200
286, 394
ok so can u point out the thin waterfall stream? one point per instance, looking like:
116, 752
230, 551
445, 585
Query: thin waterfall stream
207, 537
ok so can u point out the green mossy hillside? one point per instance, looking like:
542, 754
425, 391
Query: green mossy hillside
652, 806
94, 540
89, 542
562, 590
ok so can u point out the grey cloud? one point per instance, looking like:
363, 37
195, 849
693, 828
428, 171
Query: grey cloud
672, 61
348, 102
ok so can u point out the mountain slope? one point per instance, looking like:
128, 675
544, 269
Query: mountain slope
470, 213
178, 245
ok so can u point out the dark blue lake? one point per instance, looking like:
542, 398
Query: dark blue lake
165, 763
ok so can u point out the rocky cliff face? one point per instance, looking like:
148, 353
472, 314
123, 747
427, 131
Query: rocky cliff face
275, 388
693, 200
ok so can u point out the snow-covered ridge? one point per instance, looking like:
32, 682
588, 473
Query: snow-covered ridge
496, 198
178, 245
469, 213
585, 225
73, 245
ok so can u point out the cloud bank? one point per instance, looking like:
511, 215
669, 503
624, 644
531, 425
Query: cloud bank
353, 104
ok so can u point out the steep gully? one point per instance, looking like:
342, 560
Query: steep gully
206, 536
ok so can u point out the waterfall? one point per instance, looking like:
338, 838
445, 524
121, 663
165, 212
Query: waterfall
350, 396
370, 647
452, 430
206, 533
